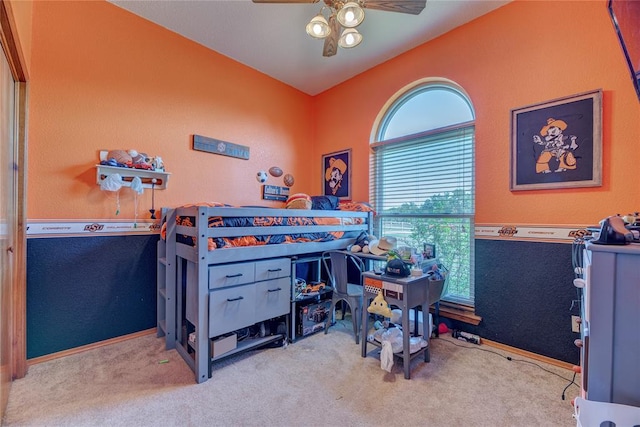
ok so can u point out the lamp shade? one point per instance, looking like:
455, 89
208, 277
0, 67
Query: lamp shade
351, 15
350, 38
318, 27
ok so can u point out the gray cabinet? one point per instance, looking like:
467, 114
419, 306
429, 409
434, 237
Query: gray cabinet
610, 354
238, 295
243, 294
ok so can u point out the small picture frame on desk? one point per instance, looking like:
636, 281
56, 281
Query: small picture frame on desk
429, 251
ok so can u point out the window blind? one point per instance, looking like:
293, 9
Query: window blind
414, 174
423, 190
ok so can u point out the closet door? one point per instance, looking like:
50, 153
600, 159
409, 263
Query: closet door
8, 224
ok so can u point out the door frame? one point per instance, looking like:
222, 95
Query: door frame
15, 58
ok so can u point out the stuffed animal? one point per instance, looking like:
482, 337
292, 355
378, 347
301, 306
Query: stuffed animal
157, 164
379, 306
362, 242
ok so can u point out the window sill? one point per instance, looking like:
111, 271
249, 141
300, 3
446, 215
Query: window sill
459, 312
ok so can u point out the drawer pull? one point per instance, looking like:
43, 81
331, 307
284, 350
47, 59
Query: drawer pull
234, 299
231, 276
274, 270
274, 290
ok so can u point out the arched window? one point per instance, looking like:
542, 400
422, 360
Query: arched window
422, 177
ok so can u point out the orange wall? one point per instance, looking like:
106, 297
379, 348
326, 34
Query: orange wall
103, 78
521, 54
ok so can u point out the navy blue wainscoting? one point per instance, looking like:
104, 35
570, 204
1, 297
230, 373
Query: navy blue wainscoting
524, 293
82, 290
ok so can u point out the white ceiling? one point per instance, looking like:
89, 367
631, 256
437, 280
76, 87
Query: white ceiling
271, 38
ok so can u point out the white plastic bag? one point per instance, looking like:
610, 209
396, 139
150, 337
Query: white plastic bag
112, 182
136, 185
394, 337
416, 343
386, 356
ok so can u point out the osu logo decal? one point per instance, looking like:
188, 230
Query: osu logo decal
507, 231
93, 227
579, 233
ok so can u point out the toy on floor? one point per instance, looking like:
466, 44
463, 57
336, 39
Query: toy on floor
442, 328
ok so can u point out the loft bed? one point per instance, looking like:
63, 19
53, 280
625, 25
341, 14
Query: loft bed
233, 233
223, 268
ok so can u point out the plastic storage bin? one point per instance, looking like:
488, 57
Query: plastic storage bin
590, 413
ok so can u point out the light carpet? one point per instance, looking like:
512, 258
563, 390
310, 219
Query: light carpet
319, 380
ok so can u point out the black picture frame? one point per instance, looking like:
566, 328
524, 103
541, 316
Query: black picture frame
336, 174
558, 143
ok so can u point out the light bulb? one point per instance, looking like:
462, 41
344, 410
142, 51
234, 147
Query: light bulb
349, 16
317, 29
349, 39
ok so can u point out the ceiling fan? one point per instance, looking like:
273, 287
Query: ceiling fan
339, 27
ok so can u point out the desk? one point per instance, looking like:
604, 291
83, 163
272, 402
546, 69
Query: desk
406, 293
369, 258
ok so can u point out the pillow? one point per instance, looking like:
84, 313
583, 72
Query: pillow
329, 203
298, 201
355, 206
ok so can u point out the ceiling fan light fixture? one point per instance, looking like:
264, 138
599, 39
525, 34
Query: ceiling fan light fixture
351, 15
350, 38
318, 27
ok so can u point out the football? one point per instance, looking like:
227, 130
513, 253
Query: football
275, 171
288, 180
261, 177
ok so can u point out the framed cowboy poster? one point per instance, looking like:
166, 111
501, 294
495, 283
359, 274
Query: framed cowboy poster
336, 169
557, 144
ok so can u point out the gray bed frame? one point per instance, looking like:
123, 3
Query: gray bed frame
184, 270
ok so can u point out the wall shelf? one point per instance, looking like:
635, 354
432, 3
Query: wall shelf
127, 174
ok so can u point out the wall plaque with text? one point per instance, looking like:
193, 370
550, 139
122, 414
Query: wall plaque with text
216, 146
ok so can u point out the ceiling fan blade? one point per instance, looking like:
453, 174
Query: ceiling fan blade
286, 1
331, 42
413, 7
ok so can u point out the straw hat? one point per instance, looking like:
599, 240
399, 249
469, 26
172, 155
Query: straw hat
383, 245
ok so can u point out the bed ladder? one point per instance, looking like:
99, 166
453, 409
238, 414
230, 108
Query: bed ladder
166, 287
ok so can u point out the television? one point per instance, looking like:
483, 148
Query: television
625, 15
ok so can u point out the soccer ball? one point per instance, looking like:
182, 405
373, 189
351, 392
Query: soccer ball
261, 177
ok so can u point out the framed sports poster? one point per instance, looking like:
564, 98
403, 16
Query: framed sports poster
558, 143
336, 169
